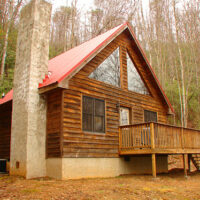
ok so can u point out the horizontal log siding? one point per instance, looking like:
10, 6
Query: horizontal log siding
53, 141
77, 143
5, 130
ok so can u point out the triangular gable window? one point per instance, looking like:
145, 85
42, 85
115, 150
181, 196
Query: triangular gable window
109, 70
135, 82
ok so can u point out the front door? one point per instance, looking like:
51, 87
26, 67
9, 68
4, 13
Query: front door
124, 116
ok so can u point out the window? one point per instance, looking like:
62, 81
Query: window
124, 116
135, 82
93, 115
109, 70
150, 116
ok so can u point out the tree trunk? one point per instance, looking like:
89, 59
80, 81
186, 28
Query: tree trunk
4, 53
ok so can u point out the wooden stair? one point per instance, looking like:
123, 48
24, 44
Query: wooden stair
196, 160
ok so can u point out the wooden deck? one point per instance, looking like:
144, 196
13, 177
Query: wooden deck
148, 138
156, 138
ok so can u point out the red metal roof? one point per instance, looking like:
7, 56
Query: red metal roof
65, 64
8, 97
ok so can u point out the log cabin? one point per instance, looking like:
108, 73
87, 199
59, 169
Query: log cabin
97, 110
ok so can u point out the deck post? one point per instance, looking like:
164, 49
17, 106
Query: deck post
153, 157
185, 160
189, 162
152, 135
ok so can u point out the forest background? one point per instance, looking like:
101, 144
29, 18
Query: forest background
168, 30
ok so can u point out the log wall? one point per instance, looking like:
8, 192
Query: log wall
53, 131
77, 143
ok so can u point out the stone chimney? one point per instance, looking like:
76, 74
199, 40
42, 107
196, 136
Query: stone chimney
28, 136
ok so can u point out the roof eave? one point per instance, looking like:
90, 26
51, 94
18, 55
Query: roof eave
93, 53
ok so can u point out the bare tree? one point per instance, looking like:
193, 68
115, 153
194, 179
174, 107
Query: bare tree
11, 9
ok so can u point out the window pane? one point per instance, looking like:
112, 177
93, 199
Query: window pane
93, 117
109, 70
87, 122
87, 105
150, 116
135, 82
99, 107
99, 124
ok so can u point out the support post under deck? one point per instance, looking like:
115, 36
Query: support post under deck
189, 162
185, 161
153, 157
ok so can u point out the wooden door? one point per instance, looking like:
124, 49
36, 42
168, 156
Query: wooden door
124, 116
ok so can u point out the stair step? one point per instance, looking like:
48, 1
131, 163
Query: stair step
196, 160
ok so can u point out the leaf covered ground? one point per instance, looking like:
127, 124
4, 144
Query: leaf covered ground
172, 186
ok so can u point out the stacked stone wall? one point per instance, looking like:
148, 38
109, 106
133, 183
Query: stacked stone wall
29, 108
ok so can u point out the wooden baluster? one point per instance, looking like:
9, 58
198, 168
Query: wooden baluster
161, 136
158, 135
158, 139
145, 136
130, 142
135, 135
176, 145
120, 139
132, 136
142, 136
139, 136
172, 136
125, 136
137, 142
182, 139
148, 134
129, 137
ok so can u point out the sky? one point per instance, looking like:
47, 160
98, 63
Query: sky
86, 4
81, 3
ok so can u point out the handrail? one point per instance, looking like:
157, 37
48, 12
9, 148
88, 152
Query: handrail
170, 125
159, 136
136, 124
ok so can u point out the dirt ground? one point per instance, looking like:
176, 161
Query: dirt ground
166, 187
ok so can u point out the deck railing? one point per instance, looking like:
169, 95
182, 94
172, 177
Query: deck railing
157, 136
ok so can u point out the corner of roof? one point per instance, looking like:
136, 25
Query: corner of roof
110, 37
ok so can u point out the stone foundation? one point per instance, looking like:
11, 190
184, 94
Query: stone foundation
75, 168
